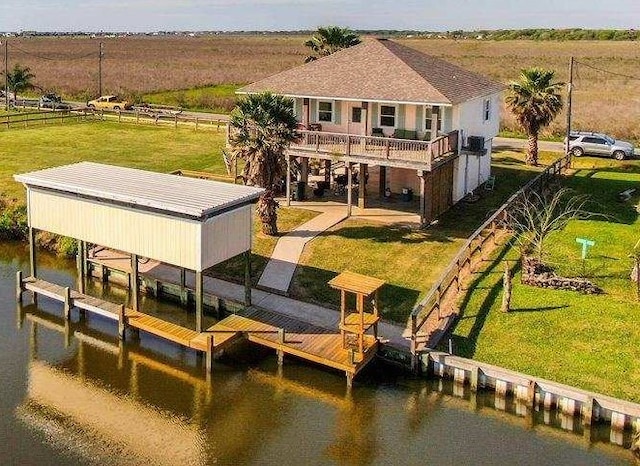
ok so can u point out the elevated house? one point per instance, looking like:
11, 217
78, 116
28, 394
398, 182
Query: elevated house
407, 122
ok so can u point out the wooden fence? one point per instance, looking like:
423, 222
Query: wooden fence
433, 314
25, 119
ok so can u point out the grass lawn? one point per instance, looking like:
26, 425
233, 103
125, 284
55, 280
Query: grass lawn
592, 342
220, 98
146, 147
410, 261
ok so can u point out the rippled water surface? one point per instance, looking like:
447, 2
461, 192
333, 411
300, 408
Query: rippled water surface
73, 394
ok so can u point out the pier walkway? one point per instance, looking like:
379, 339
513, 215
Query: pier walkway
281, 333
319, 316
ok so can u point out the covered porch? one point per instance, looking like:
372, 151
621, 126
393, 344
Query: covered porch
412, 177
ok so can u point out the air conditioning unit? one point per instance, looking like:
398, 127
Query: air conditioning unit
475, 143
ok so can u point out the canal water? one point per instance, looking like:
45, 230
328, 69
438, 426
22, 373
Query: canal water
71, 394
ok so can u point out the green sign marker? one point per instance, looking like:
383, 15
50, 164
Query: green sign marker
586, 244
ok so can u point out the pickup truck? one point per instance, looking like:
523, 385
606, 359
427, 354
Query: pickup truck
109, 102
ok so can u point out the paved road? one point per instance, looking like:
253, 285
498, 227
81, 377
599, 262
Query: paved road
518, 144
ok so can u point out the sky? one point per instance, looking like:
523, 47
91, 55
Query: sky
228, 15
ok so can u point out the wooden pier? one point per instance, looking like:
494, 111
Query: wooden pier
280, 333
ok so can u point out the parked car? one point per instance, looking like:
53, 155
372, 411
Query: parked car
51, 100
110, 102
582, 142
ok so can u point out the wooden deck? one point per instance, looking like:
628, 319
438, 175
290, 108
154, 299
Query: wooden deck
300, 339
281, 333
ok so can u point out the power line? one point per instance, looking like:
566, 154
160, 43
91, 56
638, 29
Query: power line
622, 75
43, 57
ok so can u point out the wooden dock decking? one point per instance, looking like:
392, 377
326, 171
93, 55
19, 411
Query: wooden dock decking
265, 328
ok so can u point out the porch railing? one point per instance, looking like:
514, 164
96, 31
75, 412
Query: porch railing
351, 145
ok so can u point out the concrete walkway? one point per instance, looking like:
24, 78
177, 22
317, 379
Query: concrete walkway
278, 273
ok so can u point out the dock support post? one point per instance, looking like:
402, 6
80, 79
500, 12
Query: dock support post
280, 352
587, 412
80, 264
19, 286
134, 282
209, 360
67, 303
32, 252
184, 293
122, 325
247, 278
199, 301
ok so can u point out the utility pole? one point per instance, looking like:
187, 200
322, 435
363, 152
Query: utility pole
100, 54
570, 89
6, 74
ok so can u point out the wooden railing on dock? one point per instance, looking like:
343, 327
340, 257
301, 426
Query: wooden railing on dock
430, 319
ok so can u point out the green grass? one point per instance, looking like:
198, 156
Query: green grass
146, 147
220, 98
592, 342
410, 261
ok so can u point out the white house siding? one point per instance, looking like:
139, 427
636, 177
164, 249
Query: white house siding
470, 171
225, 236
161, 237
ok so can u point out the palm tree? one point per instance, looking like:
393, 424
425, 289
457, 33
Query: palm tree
330, 39
261, 128
535, 101
20, 79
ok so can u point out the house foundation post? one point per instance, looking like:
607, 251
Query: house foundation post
287, 181
423, 197
349, 188
362, 186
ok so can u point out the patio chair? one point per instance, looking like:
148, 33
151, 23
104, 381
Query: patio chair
377, 132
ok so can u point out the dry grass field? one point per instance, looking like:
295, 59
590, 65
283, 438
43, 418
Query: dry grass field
140, 65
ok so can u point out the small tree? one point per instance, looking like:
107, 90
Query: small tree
20, 79
535, 216
328, 40
535, 101
261, 128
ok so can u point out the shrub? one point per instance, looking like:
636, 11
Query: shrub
13, 219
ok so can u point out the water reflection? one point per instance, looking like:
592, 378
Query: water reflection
96, 400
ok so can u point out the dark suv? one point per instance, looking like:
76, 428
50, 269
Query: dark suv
51, 100
581, 142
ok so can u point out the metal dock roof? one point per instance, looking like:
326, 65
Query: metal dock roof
171, 194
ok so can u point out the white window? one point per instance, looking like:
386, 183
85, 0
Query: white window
325, 111
388, 116
428, 121
487, 109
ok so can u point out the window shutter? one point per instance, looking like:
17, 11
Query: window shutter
374, 115
299, 109
337, 111
419, 117
400, 117
313, 110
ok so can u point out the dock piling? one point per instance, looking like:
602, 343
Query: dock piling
19, 286
67, 303
121, 323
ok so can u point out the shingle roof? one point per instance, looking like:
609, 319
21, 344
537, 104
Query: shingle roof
379, 70
171, 194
